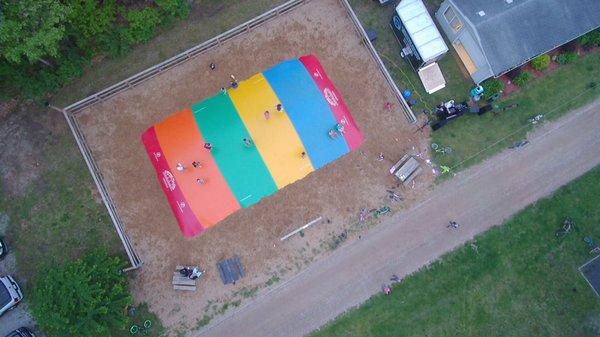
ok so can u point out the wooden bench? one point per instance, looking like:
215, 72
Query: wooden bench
406, 169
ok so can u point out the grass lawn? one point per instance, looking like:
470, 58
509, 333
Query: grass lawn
474, 138
58, 220
522, 281
458, 84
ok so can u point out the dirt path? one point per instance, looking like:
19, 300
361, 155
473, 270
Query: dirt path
559, 152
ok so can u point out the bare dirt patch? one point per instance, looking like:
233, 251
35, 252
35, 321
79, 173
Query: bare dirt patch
24, 133
336, 192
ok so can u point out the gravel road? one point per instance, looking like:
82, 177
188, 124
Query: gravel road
478, 198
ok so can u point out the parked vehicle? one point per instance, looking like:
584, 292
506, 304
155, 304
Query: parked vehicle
21, 332
3, 248
10, 294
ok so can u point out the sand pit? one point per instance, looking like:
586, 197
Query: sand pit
336, 192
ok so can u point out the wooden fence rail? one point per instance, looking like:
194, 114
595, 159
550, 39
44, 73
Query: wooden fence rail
71, 111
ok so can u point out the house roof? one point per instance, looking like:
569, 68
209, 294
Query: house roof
512, 32
421, 28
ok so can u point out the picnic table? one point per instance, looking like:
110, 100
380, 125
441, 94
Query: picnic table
181, 282
406, 169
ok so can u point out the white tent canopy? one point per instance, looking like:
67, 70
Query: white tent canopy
421, 28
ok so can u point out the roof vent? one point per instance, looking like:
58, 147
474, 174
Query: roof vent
481, 13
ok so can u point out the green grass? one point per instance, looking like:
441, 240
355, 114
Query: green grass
458, 83
474, 138
57, 219
522, 281
143, 313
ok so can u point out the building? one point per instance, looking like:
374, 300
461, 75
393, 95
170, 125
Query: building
492, 37
422, 43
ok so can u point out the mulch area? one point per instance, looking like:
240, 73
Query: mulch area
510, 87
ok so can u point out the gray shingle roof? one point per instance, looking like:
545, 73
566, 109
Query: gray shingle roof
512, 33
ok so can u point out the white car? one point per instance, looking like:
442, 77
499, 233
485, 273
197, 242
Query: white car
10, 294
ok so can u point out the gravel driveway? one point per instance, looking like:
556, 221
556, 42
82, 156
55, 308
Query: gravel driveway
19, 316
478, 198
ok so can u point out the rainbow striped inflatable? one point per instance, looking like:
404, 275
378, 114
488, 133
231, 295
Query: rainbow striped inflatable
272, 129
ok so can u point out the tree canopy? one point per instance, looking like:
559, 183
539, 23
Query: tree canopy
45, 43
85, 297
31, 29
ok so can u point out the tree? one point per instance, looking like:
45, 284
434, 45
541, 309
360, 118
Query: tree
174, 8
142, 24
91, 20
31, 29
85, 297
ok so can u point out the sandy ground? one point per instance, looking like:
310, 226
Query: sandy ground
558, 153
336, 192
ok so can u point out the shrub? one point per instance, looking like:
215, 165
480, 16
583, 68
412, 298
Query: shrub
86, 296
567, 58
116, 43
492, 87
523, 78
541, 62
591, 39
142, 24
32, 81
